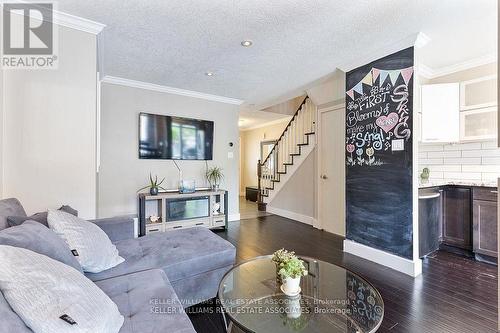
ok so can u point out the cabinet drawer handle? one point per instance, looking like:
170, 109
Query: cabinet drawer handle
154, 230
495, 192
201, 223
177, 227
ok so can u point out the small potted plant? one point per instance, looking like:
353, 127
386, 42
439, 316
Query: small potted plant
214, 176
289, 269
154, 185
424, 176
279, 257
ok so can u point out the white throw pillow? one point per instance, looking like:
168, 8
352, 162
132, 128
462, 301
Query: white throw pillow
41, 290
90, 245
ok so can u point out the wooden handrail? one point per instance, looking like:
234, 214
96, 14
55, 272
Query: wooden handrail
285, 130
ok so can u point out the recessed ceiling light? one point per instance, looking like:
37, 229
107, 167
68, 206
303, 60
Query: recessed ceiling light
246, 43
209, 73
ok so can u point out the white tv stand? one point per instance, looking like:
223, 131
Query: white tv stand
178, 210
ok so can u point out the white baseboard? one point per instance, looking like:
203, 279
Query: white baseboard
290, 215
233, 217
406, 266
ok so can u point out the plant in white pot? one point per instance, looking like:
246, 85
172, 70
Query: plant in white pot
279, 257
214, 176
291, 271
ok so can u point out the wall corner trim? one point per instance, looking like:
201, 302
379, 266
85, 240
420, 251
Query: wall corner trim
170, 90
406, 266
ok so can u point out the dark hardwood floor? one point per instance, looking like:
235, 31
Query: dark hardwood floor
454, 294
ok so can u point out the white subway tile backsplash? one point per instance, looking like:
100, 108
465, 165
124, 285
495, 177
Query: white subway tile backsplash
427, 147
481, 168
436, 175
430, 161
489, 144
463, 160
442, 167
463, 175
481, 153
474, 161
437, 154
463, 146
490, 177
491, 160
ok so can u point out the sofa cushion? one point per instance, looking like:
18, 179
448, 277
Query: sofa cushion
148, 303
180, 253
41, 217
38, 238
10, 321
92, 247
10, 207
42, 291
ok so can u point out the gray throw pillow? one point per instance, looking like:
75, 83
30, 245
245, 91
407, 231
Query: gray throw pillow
36, 237
13, 221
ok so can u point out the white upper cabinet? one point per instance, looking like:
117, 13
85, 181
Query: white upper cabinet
440, 112
478, 110
478, 93
478, 124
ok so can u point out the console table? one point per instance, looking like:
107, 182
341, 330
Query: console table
176, 210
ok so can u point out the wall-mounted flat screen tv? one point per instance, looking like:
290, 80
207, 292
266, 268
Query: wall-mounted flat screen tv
175, 138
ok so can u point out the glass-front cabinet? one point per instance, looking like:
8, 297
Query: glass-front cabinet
479, 124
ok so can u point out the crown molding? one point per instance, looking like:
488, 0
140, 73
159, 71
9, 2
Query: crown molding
77, 23
170, 90
430, 73
268, 123
68, 20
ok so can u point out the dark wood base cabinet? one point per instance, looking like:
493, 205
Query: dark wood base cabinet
457, 224
485, 219
469, 221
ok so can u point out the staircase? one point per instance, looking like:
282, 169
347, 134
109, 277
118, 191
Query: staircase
293, 146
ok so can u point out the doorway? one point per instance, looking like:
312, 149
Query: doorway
331, 169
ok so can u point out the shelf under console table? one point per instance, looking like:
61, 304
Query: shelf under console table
182, 210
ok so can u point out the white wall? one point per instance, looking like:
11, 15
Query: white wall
299, 194
49, 129
122, 173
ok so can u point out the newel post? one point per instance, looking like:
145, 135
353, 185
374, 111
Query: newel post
261, 205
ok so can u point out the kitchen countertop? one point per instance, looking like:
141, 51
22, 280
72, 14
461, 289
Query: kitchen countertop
435, 183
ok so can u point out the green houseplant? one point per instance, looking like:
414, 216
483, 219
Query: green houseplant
289, 269
154, 185
214, 176
424, 176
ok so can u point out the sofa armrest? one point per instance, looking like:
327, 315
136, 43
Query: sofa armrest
117, 228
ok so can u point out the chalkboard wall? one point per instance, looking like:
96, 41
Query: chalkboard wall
379, 135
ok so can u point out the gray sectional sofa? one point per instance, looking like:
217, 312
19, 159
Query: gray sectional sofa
163, 272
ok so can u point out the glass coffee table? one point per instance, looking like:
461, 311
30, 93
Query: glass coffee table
332, 300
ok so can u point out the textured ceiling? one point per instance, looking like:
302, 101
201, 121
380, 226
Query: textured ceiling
174, 42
